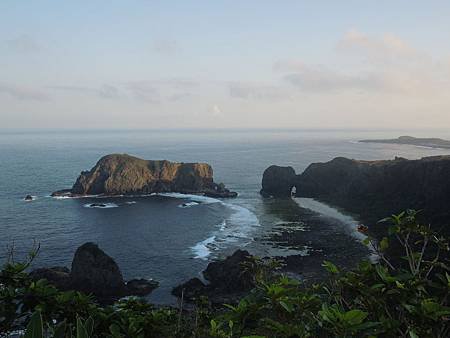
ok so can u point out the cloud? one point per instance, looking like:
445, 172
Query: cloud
105, 91
166, 46
23, 44
256, 91
215, 110
23, 93
387, 48
287, 66
322, 79
144, 91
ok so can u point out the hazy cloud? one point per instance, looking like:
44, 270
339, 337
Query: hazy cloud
22, 92
242, 90
144, 91
105, 91
23, 44
320, 79
387, 48
166, 46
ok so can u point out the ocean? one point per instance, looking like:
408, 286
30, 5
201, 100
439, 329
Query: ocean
172, 237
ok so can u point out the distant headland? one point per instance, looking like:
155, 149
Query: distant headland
409, 140
122, 174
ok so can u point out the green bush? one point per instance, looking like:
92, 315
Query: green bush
404, 296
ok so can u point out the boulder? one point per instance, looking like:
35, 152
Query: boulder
122, 174
57, 276
140, 287
228, 280
190, 290
93, 271
278, 181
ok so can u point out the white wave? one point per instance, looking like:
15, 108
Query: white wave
203, 249
191, 197
33, 198
350, 223
131, 202
101, 205
188, 204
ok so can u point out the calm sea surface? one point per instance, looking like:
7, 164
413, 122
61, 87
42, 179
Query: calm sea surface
169, 238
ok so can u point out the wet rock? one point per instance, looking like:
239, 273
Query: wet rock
140, 287
28, 198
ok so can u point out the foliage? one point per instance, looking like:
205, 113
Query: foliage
405, 297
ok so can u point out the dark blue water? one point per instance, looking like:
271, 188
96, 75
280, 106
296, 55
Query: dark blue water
155, 236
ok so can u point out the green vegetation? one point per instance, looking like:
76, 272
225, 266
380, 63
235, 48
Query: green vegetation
406, 297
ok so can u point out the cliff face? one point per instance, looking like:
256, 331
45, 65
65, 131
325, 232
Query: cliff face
376, 189
118, 174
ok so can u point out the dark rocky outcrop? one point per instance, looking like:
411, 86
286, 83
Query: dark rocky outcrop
122, 174
28, 198
227, 280
376, 189
93, 271
278, 181
409, 140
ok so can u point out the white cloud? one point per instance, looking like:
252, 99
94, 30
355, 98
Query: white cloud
105, 91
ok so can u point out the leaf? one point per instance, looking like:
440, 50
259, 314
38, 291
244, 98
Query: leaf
89, 324
355, 317
34, 327
330, 267
60, 330
384, 244
81, 329
288, 307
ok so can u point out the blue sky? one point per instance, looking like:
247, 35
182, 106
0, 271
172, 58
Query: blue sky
158, 64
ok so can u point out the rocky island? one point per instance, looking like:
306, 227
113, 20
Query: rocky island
122, 174
414, 141
370, 189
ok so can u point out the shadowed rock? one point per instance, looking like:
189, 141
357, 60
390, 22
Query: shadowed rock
93, 271
278, 181
228, 280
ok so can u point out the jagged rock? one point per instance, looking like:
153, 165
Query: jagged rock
93, 271
278, 181
57, 276
228, 280
120, 174
190, 290
230, 274
140, 287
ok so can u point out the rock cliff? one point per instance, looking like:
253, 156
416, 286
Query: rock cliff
121, 174
376, 189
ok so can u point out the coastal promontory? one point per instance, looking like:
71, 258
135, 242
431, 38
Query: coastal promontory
414, 141
373, 189
123, 174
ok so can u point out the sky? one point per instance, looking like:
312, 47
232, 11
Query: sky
224, 64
